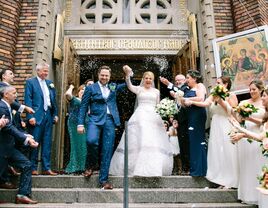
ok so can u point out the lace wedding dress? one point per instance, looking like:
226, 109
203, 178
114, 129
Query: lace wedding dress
149, 150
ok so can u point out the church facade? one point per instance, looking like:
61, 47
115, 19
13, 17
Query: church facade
75, 37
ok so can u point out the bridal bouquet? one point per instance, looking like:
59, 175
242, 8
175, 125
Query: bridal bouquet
166, 108
220, 91
262, 177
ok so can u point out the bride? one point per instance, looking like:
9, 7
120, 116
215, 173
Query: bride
149, 151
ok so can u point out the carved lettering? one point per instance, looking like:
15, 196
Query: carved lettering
128, 44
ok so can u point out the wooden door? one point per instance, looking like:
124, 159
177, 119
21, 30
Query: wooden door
70, 75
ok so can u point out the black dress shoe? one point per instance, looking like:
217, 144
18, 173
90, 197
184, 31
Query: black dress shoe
7, 185
107, 186
24, 200
88, 173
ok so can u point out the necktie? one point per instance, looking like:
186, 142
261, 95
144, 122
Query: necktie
43, 86
10, 113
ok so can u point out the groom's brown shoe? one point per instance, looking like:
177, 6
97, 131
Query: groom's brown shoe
88, 173
24, 200
107, 186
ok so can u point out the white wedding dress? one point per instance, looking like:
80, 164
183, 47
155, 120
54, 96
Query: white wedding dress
251, 161
149, 150
222, 154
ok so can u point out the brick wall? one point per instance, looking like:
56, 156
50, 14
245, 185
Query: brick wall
231, 16
223, 17
257, 10
9, 19
25, 44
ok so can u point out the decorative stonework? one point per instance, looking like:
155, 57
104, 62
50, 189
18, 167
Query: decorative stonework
136, 15
68, 11
101, 12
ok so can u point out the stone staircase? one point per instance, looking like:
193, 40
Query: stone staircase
149, 192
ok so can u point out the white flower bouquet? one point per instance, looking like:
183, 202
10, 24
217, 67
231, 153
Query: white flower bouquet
166, 108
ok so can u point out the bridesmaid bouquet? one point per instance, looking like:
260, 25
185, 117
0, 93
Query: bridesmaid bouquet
220, 91
245, 110
166, 108
262, 176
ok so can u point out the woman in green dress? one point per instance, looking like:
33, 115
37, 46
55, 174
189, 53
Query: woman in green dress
77, 141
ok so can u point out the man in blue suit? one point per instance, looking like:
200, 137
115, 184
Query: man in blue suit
9, 155
100, 97
7, 78
40, 94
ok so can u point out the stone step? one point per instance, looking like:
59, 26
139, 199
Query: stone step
138, 195
70, 181
143, 205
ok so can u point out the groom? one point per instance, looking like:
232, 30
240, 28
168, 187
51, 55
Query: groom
100, 98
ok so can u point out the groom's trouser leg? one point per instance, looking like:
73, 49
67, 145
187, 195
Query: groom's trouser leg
108, 137
93, 135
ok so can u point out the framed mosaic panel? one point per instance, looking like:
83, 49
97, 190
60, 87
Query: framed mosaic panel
243, 57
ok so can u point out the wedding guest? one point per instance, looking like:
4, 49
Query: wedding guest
149, 151
250, 156
100, 97
196, 124
40, 94
181, 116
173, 139
222, 154
166, 125
7, 78
8, 153
78, 141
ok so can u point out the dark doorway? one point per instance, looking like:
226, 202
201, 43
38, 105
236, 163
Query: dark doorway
159, 65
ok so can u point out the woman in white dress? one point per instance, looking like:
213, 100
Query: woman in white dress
222, 154
250, 156
149, 151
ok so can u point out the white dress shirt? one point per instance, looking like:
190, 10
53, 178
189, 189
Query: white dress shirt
45, 90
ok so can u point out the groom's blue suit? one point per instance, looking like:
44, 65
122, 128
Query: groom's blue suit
100, 123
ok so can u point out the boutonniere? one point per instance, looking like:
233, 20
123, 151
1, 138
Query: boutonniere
112, 86
51, 85
14, 112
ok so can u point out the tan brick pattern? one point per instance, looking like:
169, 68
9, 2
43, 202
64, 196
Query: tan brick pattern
25, 44
231, 16
257, 9
223, 17
9, 19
